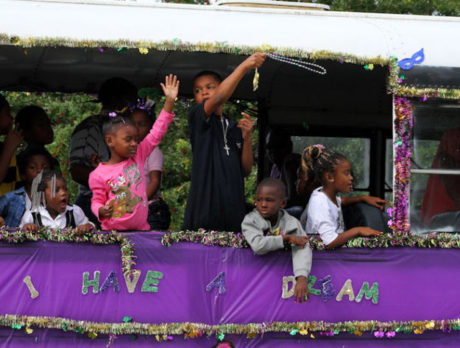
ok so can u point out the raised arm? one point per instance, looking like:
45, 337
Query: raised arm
225, 90
160, 127
171, 90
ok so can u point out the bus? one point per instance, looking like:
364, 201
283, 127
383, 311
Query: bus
383, 89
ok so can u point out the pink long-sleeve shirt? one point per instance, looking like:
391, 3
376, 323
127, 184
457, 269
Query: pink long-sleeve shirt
123, 186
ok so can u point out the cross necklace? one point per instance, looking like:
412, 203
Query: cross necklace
224, 131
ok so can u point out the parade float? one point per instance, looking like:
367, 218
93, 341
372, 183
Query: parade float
393, 80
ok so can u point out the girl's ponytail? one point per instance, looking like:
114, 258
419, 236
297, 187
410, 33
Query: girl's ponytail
316, 161
310, 156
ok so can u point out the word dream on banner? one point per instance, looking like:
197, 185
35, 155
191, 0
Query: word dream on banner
327, 291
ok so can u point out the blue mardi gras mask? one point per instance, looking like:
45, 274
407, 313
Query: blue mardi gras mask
408, 63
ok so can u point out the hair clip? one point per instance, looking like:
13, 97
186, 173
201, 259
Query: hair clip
145, 104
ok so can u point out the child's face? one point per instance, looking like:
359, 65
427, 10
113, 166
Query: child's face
57, 204
123, 141
343, 180
143, 123
269, 202
5, 119
35, 165
204, 88
40, 131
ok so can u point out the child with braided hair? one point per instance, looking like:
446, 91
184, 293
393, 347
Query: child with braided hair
50, 206
332, 171
118, 185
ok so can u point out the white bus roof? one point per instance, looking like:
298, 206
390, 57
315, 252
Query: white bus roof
73, 45
359, 34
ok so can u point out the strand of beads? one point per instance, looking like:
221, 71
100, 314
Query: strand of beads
318, 69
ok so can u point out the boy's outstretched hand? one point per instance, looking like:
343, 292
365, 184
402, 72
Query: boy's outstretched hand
84, 229
254, 61
171, 90
246, 125
301, 290
296, 240
368, 232
30, 228
375, 201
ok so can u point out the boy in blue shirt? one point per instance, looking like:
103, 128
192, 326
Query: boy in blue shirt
13, 204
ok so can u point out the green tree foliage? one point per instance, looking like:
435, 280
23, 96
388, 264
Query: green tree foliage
415, 7
66, 111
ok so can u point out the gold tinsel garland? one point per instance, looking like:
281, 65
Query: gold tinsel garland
394, 83
70, 235
412, 91
396, 87
387, 240
251, 330
178, 45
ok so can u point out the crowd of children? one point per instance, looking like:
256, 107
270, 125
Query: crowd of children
115, 158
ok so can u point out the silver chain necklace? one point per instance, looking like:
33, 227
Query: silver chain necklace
224, 131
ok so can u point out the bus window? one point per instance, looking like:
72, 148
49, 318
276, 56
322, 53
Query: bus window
389, 170
435, 168
357, 151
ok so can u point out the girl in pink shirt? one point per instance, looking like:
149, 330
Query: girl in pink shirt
118, 185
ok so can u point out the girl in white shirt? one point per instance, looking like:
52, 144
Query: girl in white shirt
324, 211
50, 207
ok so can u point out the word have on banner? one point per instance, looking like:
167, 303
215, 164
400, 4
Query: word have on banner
150, 284
326, 289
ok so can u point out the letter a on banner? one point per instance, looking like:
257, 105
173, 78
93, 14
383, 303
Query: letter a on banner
219, 282
347, 289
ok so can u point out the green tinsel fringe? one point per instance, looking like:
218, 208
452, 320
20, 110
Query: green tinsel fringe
70, 236
236, 240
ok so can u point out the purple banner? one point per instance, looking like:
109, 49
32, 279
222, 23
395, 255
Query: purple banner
213, 285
